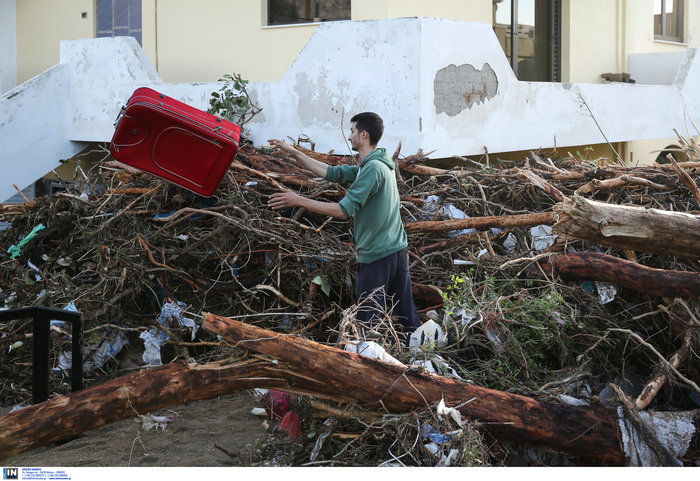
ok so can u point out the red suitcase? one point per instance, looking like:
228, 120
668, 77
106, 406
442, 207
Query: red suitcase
174, 141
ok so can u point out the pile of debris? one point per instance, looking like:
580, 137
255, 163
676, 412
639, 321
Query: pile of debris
565, 288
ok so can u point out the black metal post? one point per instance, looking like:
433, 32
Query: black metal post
40, 358
42, 317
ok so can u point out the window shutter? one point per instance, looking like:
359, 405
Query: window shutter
555, 41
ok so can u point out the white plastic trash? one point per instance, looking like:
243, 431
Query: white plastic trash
373, 350
542, 237
429, 365
606, 292
444, 412
426, 334
510, 243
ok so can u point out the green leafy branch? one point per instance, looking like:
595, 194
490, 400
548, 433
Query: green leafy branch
232, 101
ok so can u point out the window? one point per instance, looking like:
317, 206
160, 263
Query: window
119, 18
529, 32
285, 12
668, 20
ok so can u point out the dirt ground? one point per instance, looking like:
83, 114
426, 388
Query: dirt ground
190, 439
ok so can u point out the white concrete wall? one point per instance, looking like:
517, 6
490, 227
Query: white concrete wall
33, 129
528, 115
655, 68
103, 74
347, 68
8, 45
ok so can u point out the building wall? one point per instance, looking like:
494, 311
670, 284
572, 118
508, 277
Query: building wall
201, 41
591, 47
8, 46
602, 33
469, 10
42, 24
187, 43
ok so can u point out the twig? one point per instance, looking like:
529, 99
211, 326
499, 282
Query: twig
685, 178
654, 386
622, 162
525, 259
665, 362
263, 287
125, 209
21, 193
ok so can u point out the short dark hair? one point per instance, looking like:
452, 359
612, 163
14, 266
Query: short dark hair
370, 123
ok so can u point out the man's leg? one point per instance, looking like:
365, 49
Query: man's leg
401, 289
371, 281
391, 275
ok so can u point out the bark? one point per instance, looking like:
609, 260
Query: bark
601, 267
427, 295
629, 227
617, 182
480, 223
542, 184
586, 431
305, 367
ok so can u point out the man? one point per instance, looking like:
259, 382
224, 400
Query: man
379, 236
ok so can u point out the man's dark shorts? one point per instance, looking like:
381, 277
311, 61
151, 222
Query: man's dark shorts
392, 273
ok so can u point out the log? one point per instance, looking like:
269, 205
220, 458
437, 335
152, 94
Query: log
65, 416
305, 367
481, 223
629, 227
419, 169
585, 431
602, 267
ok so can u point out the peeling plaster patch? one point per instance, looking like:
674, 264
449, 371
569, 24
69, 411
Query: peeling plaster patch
317, 102
457, 88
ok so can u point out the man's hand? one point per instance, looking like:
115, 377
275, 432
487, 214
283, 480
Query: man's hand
283, 146
304, 161
285, 198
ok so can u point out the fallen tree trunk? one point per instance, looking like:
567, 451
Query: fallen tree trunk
480, 223
628, 227
308, 368
66, 416
585, 431
601, 267
305, 367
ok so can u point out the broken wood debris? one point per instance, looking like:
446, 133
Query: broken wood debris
518, 310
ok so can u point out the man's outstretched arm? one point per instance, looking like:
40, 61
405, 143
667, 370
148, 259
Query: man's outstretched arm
287, 198
305, 162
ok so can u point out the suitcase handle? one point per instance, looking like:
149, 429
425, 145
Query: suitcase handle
119, 116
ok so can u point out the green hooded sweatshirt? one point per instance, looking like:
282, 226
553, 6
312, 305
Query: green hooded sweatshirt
373, 199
